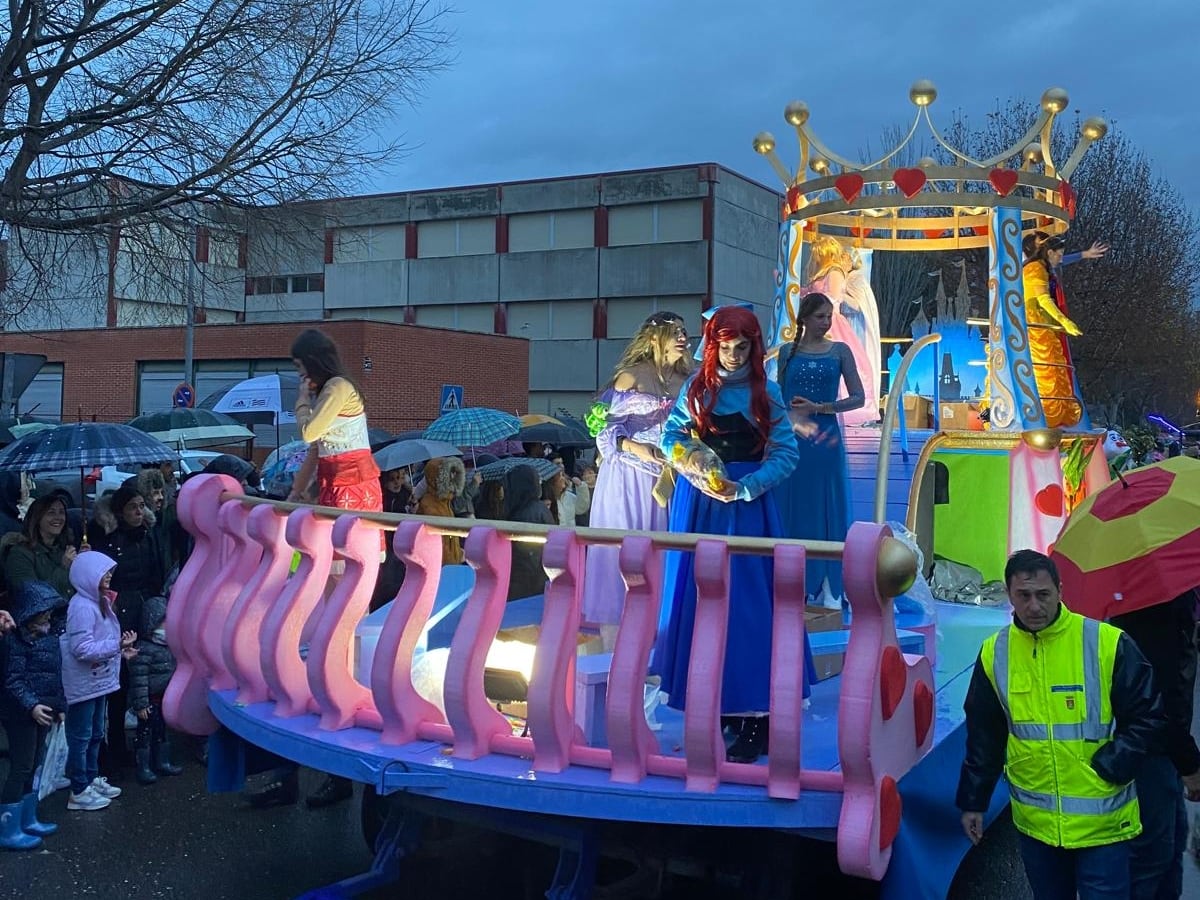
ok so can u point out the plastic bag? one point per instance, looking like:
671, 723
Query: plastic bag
918, 598
699, 464
54, 766
959, 583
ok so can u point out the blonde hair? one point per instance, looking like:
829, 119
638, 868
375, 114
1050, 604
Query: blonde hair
826, 253
648, 345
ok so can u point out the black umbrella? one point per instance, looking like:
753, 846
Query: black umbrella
565, 435
194, 428
83, 444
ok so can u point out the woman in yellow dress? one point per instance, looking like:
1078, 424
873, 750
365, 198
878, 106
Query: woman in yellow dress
1052, 368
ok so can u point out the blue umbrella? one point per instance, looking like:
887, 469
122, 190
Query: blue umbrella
475, 426
83, 444
501, 467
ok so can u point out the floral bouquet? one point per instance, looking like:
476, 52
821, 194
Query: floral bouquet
699, 464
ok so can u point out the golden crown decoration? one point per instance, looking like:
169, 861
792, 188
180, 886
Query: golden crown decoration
931, 206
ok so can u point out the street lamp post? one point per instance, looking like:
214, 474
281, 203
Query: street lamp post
190, 320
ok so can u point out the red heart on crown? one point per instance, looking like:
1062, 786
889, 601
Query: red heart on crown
910, 181
1003, 180
849, 186
793, 199
1050, 501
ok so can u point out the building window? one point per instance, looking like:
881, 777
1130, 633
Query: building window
303, 284
656, 223
269, 284
569, 229
369, 243
456, 237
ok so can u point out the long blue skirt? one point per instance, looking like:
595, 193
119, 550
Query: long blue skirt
746, 683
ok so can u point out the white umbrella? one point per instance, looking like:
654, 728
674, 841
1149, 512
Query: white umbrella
266, 399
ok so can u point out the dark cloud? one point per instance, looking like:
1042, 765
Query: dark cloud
542, 89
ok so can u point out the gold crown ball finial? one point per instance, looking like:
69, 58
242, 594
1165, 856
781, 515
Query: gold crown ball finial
796, 113
926, 162
895, 568
764, 142
819, 165
1094, 128
923, 92
1033, 154
1055, 100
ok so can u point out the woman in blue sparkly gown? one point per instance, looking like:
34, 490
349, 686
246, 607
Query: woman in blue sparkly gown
814, 502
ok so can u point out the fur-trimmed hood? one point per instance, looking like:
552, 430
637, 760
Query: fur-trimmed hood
104, 516
446, 477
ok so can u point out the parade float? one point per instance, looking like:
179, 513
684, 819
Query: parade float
865, 768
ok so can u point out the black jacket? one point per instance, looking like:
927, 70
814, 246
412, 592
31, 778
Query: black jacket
524, 495
139, 573
33, 666
10, 496
1166, 636
151, 670
1137, 714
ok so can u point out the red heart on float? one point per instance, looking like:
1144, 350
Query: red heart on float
910, 181
891, 809
1003, 180
1068, 197
860, 231
934, 233
810, 226
793, 198
1050, 501
849, 186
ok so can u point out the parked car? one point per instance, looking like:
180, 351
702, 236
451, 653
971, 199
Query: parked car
112, 477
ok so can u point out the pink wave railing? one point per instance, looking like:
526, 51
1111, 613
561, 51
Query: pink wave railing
236, 618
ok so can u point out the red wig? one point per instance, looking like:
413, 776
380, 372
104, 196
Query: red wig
729, 323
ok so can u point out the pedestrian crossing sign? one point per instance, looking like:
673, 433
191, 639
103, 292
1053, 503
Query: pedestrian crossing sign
452, 398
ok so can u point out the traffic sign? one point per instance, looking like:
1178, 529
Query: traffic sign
184, 396
452, 398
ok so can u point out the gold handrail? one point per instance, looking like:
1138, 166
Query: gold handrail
895, 397
526, 532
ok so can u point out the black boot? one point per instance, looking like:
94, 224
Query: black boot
332, 790
751, 743
145, 775
282, 789
162, 759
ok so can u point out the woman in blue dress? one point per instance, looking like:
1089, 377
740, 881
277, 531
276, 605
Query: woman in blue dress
731, 406
814, 502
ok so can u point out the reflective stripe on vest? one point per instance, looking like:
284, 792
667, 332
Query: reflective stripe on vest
1092, 728
1080, 806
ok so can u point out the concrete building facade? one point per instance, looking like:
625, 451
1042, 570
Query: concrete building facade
572, 264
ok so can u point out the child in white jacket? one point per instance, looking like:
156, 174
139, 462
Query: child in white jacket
92, 647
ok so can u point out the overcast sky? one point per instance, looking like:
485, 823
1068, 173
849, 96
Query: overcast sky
543, 88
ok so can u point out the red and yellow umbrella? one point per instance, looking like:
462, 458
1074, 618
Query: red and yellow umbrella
1134, 544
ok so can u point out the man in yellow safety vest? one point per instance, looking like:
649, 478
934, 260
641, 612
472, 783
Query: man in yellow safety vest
1066, 708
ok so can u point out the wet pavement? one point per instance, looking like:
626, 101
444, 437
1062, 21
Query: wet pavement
174, 840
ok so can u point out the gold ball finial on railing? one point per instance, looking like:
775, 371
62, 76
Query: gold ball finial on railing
796, 113
1055, 100
764, 142
1043, 438
923, 92
895, 568
926, 162
1094, 128
820, 165
1033, 154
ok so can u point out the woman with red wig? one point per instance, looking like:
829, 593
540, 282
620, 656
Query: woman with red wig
730, 406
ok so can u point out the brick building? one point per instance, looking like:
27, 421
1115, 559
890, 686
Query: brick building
116, 373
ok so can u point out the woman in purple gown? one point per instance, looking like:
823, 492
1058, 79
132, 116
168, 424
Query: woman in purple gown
645, 384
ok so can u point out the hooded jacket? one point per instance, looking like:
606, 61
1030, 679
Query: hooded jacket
151, 670
524, 494
139, 558
444, 480
91, 647
33, 670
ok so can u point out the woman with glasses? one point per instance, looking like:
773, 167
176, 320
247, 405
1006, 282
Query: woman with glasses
644, 385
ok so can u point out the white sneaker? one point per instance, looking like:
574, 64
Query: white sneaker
101, 787
87, 799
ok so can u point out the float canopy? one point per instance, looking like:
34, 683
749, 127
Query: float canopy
941, 204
